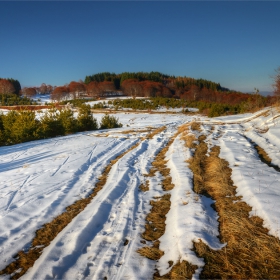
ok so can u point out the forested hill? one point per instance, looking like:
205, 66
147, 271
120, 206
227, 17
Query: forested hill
167, 80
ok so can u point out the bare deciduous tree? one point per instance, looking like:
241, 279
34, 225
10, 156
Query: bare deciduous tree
6, 86
59, 93
276, 84
76, 89
28, 91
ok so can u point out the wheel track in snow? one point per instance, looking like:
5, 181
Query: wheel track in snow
15, 193
110, 200
18, 264
93, 167
93, 163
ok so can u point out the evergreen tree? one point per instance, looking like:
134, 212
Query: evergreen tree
67, 120
25, 128
51, 125
108, 121
8, 122
85, 119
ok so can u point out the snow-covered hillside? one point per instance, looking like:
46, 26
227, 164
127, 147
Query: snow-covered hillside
40, 179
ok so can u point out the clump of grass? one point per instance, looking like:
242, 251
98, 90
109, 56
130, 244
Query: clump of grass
152, 253
186, 136
195, 126
262, 154
144, 187
155, 226
156, 131
250, 253
189, 139
264, 157
197, 163
181, 270
136, 130
183, 128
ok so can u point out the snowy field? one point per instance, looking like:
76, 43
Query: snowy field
43, 99
40, 179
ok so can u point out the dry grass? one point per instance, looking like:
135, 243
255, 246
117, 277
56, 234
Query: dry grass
156, 131
262, 153
196, 164
250, 252
189, 139
135, 131
186, 136
264, 157
195, 126
184, 128
155, 226
144, 187
181, 270
152, 253
43, 237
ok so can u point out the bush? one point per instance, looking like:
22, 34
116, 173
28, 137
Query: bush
18, 127
25, 128
67, 120
8, 122
108, 121
13, 99
85, 119
51, 126
217, 110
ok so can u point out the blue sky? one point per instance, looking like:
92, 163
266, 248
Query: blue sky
234, 43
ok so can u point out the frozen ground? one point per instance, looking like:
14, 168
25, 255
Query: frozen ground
40, 178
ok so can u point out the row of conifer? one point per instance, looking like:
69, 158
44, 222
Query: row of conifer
22, 126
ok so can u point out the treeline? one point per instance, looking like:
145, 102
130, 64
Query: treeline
22, 126
9, 99
171, 82
211, 109
148, 104
117, 79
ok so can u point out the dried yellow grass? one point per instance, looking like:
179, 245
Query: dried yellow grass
155, 226
183, 128
195, 126
264, 157
189, 139
156, 131
196, 164
180, 271
151, 253
134, 131
144, 187
250, 253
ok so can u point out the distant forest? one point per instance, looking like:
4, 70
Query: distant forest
171, 82
156, 84
198, 92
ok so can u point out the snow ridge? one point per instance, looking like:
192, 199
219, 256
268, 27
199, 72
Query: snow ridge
190, 218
